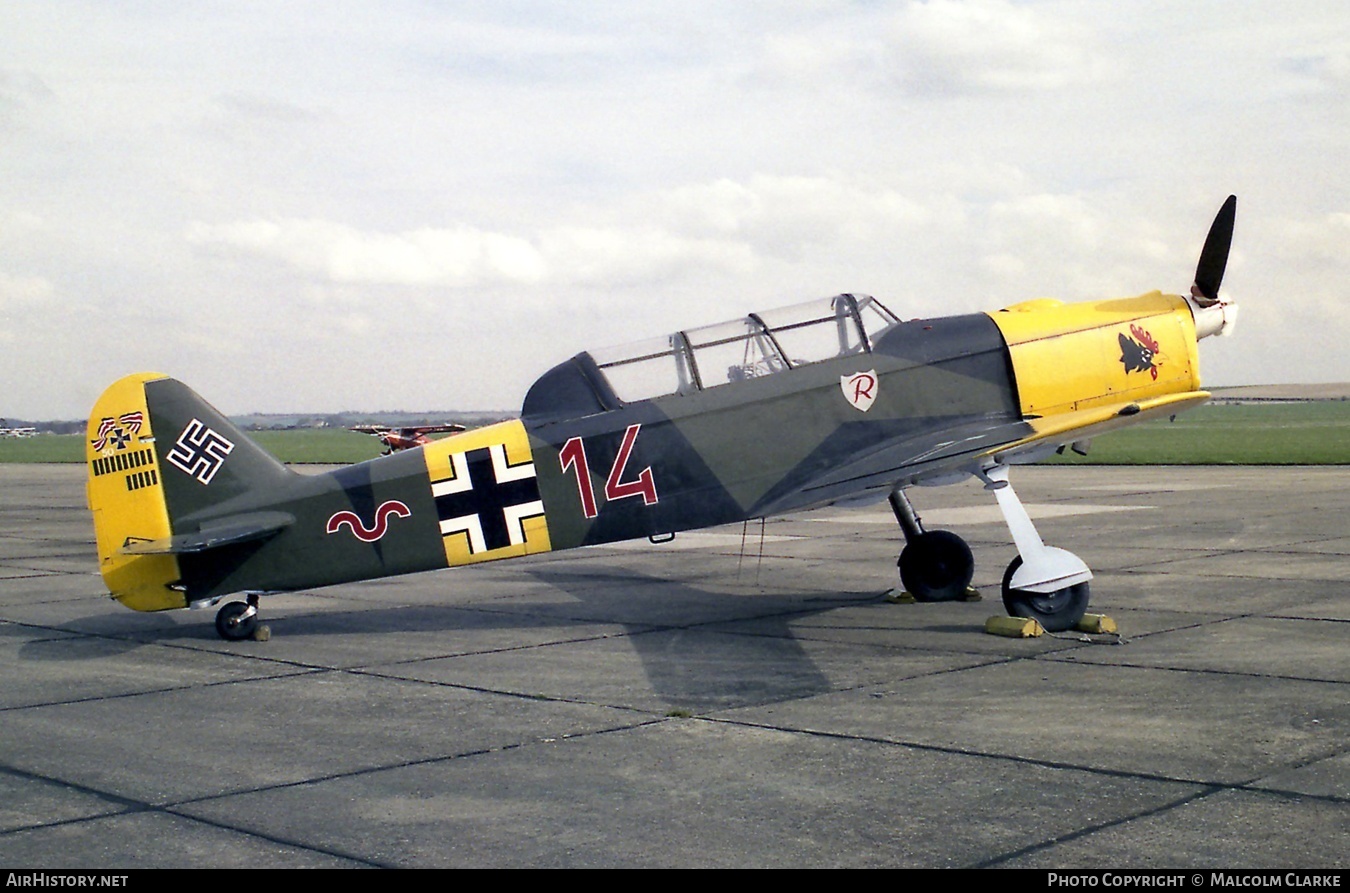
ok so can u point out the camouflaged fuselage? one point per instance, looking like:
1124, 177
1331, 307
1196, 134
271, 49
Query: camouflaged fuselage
202, 511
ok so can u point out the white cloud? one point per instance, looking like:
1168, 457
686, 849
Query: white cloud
464, 257
618, 256
461, 256
1066, 221
957, 46
378, 177
719, 226
22, 291
20, 90
784, 215
803, 58
1324, 241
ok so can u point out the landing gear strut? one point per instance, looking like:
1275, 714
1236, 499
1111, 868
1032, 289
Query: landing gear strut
1046, 584
238, 620
1043, 583
935, 565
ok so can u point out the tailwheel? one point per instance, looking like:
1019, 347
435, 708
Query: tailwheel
936, 566
237, 620
1056, 611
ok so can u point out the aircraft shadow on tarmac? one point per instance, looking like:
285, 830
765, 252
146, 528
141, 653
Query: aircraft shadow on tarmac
699, 649
688, 655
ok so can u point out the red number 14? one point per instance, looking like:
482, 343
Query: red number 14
573, 456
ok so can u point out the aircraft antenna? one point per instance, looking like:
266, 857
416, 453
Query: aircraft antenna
759, 559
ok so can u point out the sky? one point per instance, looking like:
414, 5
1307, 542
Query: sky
328, 206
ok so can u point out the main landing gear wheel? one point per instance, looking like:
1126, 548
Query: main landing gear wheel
1055, 611
237, 620
936, 566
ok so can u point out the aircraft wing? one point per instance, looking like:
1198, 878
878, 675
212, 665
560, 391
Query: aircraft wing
1087, 423
447, 428
964, 447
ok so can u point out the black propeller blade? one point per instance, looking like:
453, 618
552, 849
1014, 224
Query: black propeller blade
1214, 256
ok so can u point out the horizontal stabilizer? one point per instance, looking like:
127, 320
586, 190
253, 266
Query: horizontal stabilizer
223, 532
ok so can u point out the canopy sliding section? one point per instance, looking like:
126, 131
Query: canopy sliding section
757, 345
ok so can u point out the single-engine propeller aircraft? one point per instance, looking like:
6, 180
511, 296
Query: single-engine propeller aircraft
829, 401
396, 439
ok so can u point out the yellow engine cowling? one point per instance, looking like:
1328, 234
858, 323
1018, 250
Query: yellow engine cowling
1069, 357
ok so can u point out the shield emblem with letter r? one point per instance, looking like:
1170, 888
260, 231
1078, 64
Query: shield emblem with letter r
860, 389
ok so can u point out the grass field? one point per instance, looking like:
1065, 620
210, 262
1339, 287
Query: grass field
1254, 434
1243, 434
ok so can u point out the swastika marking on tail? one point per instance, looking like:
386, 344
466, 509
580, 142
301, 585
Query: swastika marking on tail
199, 451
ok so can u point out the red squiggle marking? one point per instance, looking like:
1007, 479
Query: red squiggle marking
358, 527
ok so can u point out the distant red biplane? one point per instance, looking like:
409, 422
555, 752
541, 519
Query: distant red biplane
396, 439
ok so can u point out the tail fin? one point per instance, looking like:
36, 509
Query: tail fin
159, 456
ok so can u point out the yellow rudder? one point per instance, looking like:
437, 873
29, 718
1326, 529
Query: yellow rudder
126, 496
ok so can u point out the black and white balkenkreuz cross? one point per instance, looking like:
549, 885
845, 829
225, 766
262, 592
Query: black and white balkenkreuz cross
199, 451
487, 499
